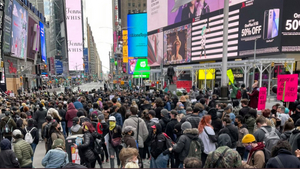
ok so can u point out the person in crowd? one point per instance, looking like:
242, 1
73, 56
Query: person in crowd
114, 144
228, 111
70, 114
8, 157
220, 109
254, 96
287, 129
189, 112
105, 129
250, 120
22, 150
62, 113
245, 108
192, 162
118, 116
56, 157
22, 122
7, 125
216, 122
165, 119
33, 131
242, 130
128, 140
256, 157
77, 103
283, 117
231, 130
168, 103
76, 127
223, 156
87, 155
205, 132
158, 146
194, 118
295, 137
39, 117
55, 133
54, 114
158, 106
296, 114
282, 157
244, 92
171, 125
153, 120
129, 158
263, 129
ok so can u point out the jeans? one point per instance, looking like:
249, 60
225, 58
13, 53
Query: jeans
33, 146
160, 162
180, 165
63, 125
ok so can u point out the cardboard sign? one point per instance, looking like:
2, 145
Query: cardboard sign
75, 155
287, 85
230, 75
262, 98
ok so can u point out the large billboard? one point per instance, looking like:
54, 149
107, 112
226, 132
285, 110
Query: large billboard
137, 35
177, 45
74, 29
59, 67
125, 46
155, 49
33, 38
43, 43
19, 31
263, 25
139, 68
86, 60
157, 11
291, 26
7, 25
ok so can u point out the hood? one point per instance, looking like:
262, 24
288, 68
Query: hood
191, 133
75, 128
155, 120
224, 140
71, 106
166, 119
5, 144
284, 151
296, 131
158, 128
250, 120
288, 133
213, 113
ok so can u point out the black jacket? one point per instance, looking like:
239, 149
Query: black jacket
287, 159
170, 129
244, 111
157, 112
86, 148
232, 131
158, 142
182, 147
62, 113
8, 159
194, 120
295, 116
39, 117
163, 122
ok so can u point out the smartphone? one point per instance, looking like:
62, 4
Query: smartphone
271, 23
275, 28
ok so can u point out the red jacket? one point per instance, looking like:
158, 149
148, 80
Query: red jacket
71, 113
254, 98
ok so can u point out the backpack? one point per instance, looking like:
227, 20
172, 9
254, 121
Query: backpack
238, 94
7, 127
28, 137
97, 143
271, 138
99, 128
267, 154
46, 129
196, 148
169, 142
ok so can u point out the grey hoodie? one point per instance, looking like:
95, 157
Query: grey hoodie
155, 120
75, 128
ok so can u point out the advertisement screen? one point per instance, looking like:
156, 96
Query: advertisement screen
136, 66
155, 49
59, 66
19, 31
263, 25
43, 43
7, 25
177, 45
180, 10
74, 32
125, 46
207, 35
33, 38
291, 26
86, 60
157, 9
137, 35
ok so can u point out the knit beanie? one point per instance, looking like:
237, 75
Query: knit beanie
58, 143
186, 125
248, 138
165, 112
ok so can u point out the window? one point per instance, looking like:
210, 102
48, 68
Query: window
129, 11
133, 4
144, 4
129, 4
139, 5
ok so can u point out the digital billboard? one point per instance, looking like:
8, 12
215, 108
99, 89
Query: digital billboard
7, 25
136, 66
137, 35
180, 10
59, 68
291, 26
86, 60
177, 45
33, 38
43, 43
263, 25
155, 49
19, 31
125, 46
74, 33
157, 11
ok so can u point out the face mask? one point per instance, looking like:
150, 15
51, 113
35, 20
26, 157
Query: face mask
248, 147
59, 128
112, 125
136, 161
236, 123
132, 134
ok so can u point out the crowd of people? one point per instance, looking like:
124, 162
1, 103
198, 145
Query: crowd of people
127, 127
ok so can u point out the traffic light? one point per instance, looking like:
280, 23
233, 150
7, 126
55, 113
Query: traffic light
21, 77
45, 66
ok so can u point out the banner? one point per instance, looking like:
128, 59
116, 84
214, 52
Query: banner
125, 46
262, 98
230, 75
289, 90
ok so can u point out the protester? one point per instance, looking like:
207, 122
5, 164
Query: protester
256, 158
56, 157
8, 157
70, 114
76, 127
254, 96
39, 117
129, 158
192, 162
242, 130
114, 144
31, 131
7, 125
231, 130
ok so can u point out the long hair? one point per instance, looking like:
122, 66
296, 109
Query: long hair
54, 113
205, 121
89, 126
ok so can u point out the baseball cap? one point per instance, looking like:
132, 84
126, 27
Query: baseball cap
154, 127
16, 132
152, 112
94, 117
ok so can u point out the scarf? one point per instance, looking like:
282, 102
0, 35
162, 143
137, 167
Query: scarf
112, 125
260, 146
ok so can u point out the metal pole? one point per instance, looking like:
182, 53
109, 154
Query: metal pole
225, 50
253, 76
205, 82
260, 75
269, 82
245, 75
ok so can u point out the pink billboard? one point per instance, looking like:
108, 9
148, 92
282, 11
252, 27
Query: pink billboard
74, 32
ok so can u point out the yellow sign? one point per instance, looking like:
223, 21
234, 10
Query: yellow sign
122, 82
125, 46
210, 74
230, 75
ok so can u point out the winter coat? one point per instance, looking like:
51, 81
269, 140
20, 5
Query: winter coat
129, 141
71, 113
77, 129
158, 142
56, 135
7, 156
170, 129
286, 135
234, 91
86, 148
250, 122
62, 114
194, 120
260, 134
295, 116
78, 105
134, 121
163, 122
152, 122
158, 111
254, 98
258, 161
295, 140
287, 159
244, 111
23, 152
209, 146
182, 147
232, 131
39, 117
11, 124
242, 132
55, 158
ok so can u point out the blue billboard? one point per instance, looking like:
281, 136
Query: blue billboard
59, 67
137, 35
86, 60
43, 43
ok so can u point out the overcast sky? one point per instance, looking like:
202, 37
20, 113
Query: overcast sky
99, 14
